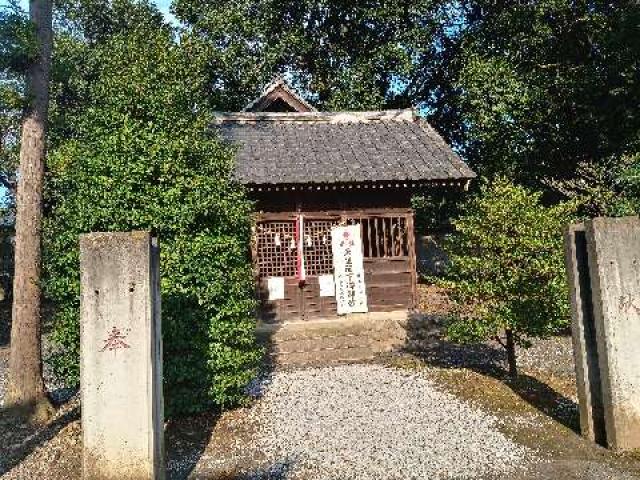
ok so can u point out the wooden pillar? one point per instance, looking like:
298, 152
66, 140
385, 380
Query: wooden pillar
411, 246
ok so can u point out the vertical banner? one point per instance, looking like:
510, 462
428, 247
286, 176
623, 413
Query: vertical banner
348, 265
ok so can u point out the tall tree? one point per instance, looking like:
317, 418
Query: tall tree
531, 90
346, 55
26, 387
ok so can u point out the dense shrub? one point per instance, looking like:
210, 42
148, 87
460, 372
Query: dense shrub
626, 198
144, 158
434, 210
506, 270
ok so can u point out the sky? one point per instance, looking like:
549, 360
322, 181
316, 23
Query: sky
163, 6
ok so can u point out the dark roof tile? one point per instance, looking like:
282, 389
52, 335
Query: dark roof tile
341, 147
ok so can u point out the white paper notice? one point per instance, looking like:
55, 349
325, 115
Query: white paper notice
327, 286
348, 267
275, 285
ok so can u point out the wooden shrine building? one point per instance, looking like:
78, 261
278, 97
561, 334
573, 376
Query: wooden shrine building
311, 171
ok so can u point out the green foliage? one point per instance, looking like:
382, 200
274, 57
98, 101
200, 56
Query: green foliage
600, 189
530, 90
627, 200
18, 49
96, 21
11, 103
507, 267
18, 46
434, 210
142, 157
345, 55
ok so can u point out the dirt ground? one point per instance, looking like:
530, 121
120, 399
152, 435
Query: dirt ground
537, 410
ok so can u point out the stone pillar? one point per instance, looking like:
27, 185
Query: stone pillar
585, 350
603, 263
614, 258
121, 357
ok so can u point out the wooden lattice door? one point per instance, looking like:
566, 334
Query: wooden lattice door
319, 262
389, 261
275, 255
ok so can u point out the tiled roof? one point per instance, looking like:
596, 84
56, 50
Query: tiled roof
349, 147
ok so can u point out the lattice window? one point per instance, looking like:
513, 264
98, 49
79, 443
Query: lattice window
276, 249
317, 246
384, 237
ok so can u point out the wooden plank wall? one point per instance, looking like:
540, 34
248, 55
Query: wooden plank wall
389, 283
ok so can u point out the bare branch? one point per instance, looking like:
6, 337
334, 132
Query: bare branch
500, 341
6, 183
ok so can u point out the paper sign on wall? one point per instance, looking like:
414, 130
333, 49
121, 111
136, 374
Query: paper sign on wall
275, 286
327, 286
348, 266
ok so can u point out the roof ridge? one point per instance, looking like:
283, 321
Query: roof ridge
278, 82
399, 115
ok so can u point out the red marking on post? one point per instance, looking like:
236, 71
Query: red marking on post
115, 341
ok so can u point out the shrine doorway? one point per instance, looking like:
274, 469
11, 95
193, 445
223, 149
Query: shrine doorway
389, 262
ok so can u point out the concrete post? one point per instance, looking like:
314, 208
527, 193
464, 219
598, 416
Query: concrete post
585, 350
614, 259
121, 357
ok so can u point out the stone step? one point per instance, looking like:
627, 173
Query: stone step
329, 349
345, 339
325, 356
336, 328
333, 343
308, 344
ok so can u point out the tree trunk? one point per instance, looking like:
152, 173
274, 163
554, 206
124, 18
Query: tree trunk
511, 353
26, 387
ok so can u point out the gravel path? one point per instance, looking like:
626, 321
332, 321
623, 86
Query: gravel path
376, 422
553, 355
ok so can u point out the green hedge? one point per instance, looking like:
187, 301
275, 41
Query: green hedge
144, 158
